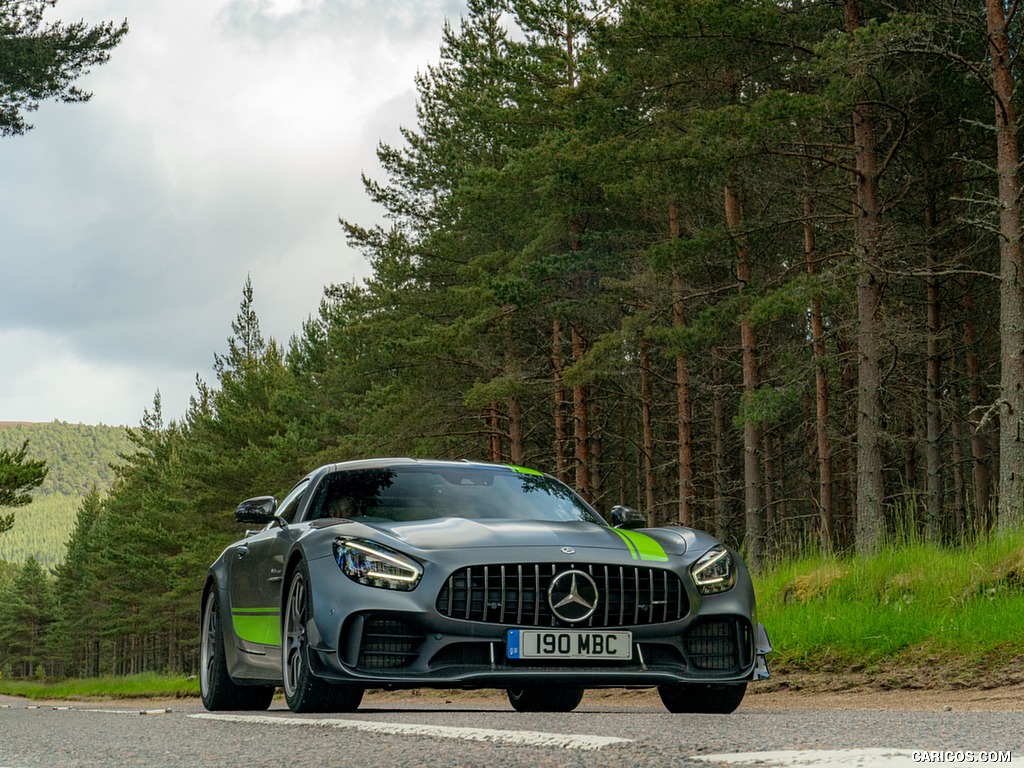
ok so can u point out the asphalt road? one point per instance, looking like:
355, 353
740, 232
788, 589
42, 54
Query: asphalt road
486, 732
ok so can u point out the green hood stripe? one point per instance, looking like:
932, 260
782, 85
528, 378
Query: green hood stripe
524, 470
629, 544
641, 546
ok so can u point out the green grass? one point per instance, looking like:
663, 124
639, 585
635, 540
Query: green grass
912, 605
134, 686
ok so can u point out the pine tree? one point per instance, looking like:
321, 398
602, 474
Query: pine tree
42, 60
18, 476
26, 612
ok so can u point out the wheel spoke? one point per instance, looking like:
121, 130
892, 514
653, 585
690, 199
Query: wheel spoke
209, 644
295, 632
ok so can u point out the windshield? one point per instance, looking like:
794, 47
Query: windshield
427, 493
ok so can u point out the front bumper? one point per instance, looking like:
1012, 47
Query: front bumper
391, 639
399, 650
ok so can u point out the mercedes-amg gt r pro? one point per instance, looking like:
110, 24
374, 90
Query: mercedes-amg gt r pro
397, 573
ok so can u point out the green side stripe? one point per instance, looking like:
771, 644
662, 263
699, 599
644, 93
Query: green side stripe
258, 625
641, 546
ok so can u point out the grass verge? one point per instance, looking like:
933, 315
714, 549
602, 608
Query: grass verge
918, 615
147, 686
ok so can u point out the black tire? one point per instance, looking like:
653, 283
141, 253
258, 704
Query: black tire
218, 690
537, 699
702, 698
303, 690
344, 698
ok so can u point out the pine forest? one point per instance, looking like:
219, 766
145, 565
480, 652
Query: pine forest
749, 266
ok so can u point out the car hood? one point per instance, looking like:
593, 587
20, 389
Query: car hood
456, 533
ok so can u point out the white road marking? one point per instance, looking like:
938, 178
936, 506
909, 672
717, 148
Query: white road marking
818, 758
518, 738
124, 711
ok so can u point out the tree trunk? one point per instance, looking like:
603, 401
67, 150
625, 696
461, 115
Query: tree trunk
845, 505
980, 457
561, 463
515, 429
770, 518
647, 430
581, 430
959, 520
1011, 300
870, 521
513, 403
754, 537
720, 441
494, 422
824, 446
683, 406
596, 444
933, 385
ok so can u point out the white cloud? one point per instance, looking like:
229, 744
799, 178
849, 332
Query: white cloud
224, 139
45, 379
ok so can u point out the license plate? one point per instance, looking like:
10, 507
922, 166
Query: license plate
559, 644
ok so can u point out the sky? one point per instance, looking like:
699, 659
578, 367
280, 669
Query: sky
224, 140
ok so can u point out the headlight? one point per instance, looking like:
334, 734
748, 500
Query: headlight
375, 565
714, 572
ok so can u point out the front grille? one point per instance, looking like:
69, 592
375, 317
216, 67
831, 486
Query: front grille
388, 642
517, 595
719, 645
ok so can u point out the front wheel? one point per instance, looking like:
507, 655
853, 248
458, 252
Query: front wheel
544, 699
702, 698
303, 690
218, 690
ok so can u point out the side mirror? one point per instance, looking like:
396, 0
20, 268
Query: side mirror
627, 517
259, 510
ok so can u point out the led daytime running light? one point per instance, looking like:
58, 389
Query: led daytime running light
374, 565
378, 554
714, 572
703, 581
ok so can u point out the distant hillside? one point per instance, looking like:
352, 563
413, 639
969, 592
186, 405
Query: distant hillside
79, 457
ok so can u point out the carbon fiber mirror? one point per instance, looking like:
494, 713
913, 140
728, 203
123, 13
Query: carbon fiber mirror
627, 517
259, 510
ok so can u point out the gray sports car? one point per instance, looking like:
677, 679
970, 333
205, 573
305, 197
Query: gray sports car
398, 573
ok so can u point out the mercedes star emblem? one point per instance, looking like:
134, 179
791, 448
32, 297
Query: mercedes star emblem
568, 551
573, 596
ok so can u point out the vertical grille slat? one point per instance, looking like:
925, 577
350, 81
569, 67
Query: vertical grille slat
590, 570
622, 595
607, 591
651, 599
503, 594
537, 595
636, 595
519, 607
664, 587
502, 609
487, 593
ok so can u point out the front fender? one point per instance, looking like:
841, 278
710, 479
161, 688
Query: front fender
243, 667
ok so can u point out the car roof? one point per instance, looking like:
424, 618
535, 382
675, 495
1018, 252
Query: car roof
378, 463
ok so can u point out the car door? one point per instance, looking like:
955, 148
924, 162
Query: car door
256, 573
